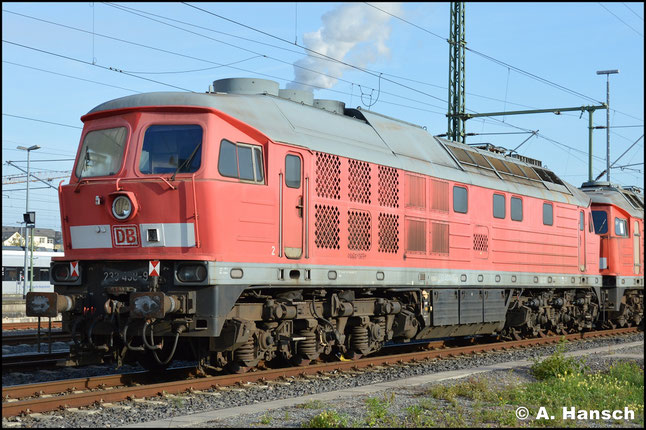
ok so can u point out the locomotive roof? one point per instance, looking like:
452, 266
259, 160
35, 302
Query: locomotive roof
371, 137
629, 199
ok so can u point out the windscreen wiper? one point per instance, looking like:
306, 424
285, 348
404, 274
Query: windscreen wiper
187, 162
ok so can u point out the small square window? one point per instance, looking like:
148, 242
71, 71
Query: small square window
621, 227
548, 214
499, 206
516, 209
460, 201
293, 171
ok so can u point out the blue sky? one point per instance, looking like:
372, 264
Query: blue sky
57, 59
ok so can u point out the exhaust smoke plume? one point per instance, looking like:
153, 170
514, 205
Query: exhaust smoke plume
354, 33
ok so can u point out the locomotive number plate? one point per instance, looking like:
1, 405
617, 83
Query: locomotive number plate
116, 277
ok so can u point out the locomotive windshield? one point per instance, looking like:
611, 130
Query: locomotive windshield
102, 152
168, 149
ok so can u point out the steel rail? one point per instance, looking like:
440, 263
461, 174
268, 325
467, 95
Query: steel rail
29, 325
16, 407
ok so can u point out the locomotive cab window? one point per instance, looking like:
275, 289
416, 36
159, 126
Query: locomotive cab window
600, 219
621, 227
548, 214
241, 161
499, 206
102, 152
171, 149
460, 200
516, 209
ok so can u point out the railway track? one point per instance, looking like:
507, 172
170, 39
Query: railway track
32, 338
31, 325
50, 396
16, 362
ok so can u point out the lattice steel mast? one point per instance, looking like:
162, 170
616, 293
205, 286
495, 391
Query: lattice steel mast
456, 131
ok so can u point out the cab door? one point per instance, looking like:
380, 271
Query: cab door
293, 205
636, 248
582, 243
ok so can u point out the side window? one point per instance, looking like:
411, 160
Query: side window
241, 161
581, 220
293, 171
460, 200
499, 206
245, 163
516, 209
548, 214
621, 227
600, 219
257, 156
228, 161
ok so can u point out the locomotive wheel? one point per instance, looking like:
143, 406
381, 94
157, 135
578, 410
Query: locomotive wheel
541, 333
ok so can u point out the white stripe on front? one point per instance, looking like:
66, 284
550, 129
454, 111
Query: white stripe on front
99, 236
91, 236
180, 234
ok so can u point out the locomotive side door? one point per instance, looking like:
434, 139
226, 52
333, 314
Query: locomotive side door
293, 206
582, 244
636, 248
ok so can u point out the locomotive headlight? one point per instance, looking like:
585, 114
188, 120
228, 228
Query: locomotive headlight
121, 207
191, 272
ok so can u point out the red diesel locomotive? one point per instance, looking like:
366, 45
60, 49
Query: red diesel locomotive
251, 223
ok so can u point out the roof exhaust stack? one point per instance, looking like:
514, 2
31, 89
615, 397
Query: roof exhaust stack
246, 86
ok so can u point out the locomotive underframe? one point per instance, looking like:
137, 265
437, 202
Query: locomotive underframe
240, 325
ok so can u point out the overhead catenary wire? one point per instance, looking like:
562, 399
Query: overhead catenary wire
635, 13
69, 76
213, 62
400, 105
361, 69
141, 13
94, 65
41, 120
622, 21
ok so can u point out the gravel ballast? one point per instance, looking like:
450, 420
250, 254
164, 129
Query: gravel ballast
139, 412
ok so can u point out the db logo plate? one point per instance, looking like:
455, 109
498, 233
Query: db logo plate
125, 235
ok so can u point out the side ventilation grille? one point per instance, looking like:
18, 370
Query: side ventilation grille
388, 187
359, 182
326, 227
388, 233
359, 226
328, 176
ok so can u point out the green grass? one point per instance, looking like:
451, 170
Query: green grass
312, 404
557, 364
560, 382
377, 410
622, 386
327, 419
